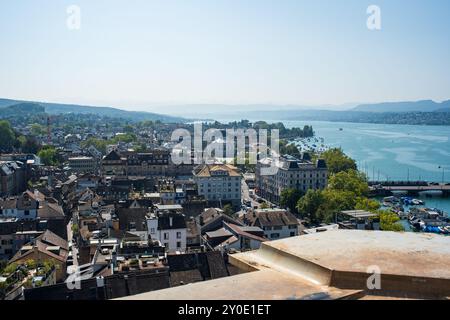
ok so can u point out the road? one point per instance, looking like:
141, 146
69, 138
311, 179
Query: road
74, 248
246, 196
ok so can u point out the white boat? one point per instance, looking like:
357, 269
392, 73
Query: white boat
417, 202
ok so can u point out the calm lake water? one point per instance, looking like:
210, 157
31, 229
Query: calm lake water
393, 152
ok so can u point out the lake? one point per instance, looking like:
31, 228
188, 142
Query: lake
389, 152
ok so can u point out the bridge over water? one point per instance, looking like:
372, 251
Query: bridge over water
412, 188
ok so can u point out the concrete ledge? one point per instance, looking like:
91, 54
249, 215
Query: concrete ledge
259, 285
331, 265
270, 257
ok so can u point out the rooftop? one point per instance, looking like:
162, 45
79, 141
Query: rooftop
218, 170
331, 265
169, 207
359, 214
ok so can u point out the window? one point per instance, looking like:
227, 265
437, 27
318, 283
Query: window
274, 235
179, 244
166, 236
292, 234
178, 235
27, 212
292, 226
277, 228
152, 230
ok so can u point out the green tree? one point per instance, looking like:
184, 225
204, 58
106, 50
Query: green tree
75, 229
31, 264
49, 156
335, 201
351, 180
37, 129
337, 161
389, 221
289, 199
7, 136
10, 269
309, 204
228, 210
127, 138
367, 204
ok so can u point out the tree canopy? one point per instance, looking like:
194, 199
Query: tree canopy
352, 181
337, 161
7, 136
347, 189
289, 199
49, 156
228, 210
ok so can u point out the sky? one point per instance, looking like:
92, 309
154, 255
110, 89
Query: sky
148, 54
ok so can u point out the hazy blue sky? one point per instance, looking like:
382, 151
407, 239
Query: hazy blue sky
136, 53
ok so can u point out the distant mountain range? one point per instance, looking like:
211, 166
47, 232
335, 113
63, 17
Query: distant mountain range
58, 108
410, 113
417, 106
419, 112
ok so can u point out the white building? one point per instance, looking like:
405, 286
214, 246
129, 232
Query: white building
291, 174
170, 229
219, 184
276, 223
24, 207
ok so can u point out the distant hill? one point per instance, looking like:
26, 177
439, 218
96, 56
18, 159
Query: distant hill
21, 109
57, 108
417, 106
411, 118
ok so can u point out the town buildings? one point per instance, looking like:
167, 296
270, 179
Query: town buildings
291, 173
276, 223
157, 163
219, 184
170, 229
83, 164
8, 227
46, 247
13, 177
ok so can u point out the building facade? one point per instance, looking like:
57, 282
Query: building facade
276, 223
83, 164
219, 184
291, 174
13, 177
170, 229
157, 163
23, 207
